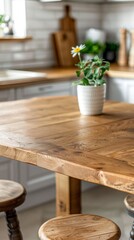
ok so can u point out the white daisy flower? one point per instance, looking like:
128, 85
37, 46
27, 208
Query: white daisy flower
76, 50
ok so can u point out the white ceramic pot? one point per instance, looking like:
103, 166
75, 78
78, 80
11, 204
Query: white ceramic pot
96, 35
90, 99
88, 56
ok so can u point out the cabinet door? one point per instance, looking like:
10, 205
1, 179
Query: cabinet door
39, 182
60, 88
130, 91
116, 89
7, 95
8, 169
120, 89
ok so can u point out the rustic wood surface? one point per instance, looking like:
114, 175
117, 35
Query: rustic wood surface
68, 23
68, 195
129, 203
62, 44
15, 39
79, 227
12, 194
51, 133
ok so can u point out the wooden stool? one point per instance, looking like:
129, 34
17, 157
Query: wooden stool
12, 195
79, 227
129, 203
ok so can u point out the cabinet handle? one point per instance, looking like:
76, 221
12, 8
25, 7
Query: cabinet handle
45, 88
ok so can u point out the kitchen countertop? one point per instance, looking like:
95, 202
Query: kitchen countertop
63, 73
18, 78
12, 78
117, 71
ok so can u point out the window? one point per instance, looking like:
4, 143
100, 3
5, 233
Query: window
2, 9
19, 17
5, 7
10, 8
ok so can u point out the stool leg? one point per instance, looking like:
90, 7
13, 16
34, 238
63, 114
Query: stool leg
14, 232
132, 233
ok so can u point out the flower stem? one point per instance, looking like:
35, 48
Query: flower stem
79, 56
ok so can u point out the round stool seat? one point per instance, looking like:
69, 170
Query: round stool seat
129, 203
79, 227
12, 194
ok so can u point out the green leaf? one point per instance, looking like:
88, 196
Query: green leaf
78, 82
78, 72
84, 81
99, 82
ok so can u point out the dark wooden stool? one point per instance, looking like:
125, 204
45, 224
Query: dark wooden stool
12, 195
129, 203
79, 227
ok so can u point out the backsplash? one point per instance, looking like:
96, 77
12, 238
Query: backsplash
116, 16
43, 19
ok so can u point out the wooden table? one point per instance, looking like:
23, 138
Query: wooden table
51, 133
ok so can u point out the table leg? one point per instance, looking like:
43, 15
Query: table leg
68, 195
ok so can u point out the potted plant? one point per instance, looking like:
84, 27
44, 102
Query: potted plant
92, 48
2, 22
110, 52
91, 82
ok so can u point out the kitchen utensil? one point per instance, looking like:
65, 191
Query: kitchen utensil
131, 52
67, 23
63, 42
122, 55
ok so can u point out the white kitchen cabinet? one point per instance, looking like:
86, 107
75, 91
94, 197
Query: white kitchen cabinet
58, 88
7, 95
8, 169
40, 184
120, 89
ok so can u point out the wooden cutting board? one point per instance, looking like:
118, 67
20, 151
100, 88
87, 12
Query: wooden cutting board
63, 42
67, 23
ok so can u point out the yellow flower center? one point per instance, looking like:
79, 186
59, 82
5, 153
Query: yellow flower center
76, 50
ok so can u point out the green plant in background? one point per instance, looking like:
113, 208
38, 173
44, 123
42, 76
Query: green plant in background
2, 19
91, 72
111, 51
112, 46
93, 47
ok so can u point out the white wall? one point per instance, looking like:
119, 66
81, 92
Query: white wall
42, 19
116, 16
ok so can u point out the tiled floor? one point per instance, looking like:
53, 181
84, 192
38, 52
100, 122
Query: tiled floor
99, 200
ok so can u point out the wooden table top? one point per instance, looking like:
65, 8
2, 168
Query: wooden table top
51, 133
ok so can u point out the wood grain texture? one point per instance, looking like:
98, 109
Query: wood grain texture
68, 23
68, 195
12, 194
63, 42
51, 133
15, 39
129, 203
79, 227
